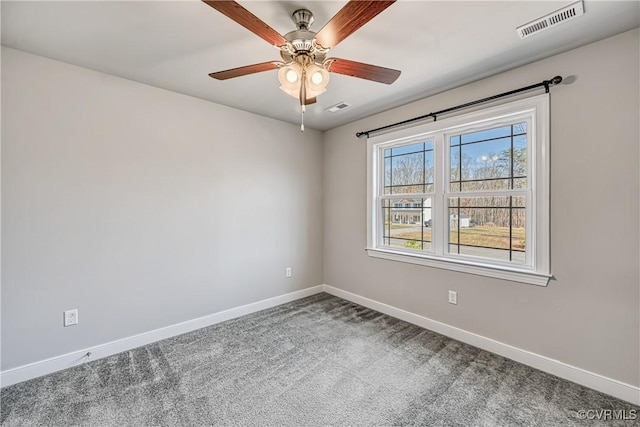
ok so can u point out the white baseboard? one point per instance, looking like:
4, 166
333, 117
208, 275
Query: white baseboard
58, 363
560, 369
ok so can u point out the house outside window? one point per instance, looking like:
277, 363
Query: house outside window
467, 193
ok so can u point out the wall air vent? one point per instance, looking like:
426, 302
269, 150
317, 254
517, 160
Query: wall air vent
551, 20
339, 106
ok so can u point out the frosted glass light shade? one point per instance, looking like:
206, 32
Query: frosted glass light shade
289, 77
317, 79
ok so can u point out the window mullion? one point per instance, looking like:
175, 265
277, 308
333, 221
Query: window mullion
440, 168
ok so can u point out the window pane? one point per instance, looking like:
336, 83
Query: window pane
428, 171
520, 183
520, 157
406, 189
407, 149
488, 227
386, 217
455, 163
387, 171
492, 184
520, 141
407, 223
519, 128
518, 240
492, 159
409, 169
484, 135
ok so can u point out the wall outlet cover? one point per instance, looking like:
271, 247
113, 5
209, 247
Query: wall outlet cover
453, 297
71, 317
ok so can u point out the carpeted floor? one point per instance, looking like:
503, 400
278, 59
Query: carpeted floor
319, 361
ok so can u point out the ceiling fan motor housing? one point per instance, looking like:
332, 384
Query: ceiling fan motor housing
301, 39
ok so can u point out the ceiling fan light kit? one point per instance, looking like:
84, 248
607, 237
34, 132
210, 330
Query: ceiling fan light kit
304, 70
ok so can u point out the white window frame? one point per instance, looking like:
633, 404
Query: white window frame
537, 269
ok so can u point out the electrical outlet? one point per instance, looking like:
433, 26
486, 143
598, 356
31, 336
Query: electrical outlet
288, 272
453, 297
71, 317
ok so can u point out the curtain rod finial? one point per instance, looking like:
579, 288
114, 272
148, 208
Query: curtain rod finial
556, 80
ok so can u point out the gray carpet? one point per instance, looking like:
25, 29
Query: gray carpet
313, 362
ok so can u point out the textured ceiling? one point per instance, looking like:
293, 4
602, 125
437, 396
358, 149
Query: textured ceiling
175, 44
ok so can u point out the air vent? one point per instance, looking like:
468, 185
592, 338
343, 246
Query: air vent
339, 106
551, 20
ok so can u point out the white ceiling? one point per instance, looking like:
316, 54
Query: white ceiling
175, 44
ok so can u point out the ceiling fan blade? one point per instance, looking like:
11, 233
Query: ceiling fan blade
361, 70
242, 16
352, 16
243, 71
310, 101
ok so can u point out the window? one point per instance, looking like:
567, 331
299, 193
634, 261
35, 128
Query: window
467, 193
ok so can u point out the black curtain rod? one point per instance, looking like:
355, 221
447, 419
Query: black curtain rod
546, 83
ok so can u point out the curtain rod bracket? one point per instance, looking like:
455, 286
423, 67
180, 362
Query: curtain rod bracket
554, 81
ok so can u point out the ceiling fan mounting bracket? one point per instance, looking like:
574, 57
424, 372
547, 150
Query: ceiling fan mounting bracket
303, 18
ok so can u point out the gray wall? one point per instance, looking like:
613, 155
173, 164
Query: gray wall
142, 208
589, 315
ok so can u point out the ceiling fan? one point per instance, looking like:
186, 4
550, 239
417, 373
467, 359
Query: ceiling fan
304, 69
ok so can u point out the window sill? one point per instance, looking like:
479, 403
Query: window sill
514, 275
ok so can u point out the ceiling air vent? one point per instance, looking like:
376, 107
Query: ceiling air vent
339, 106
551, 20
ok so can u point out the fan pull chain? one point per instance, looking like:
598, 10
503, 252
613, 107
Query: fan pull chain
303, 98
